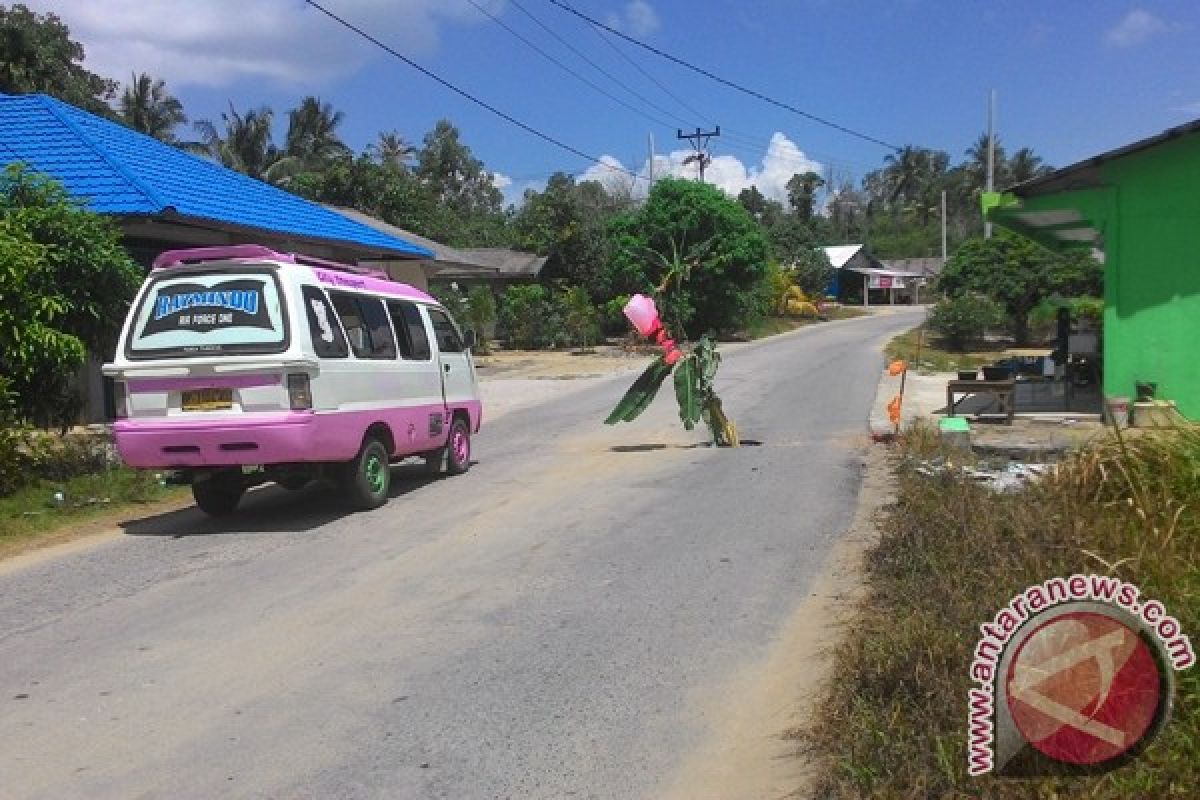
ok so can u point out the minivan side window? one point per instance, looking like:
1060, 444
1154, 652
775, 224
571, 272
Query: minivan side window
327, 338
408, 316
447, 335
367, 325
410, 330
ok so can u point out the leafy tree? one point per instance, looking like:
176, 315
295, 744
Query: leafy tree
245, 145
37, 54
453, 173
724, 252
581, 316
813, 273
790, 238
1018, 274
67, 284
566, 222
147, 106
802, 194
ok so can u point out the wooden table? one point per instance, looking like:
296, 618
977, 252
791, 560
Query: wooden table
1004, 391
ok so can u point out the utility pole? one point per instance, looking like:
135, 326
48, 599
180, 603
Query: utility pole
650, 169
943, 228
699, 141
991, 155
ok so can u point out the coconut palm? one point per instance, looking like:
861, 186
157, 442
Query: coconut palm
977, 160
312, 132
245, 145
147, 106
905, 173
392, 150
1026, 165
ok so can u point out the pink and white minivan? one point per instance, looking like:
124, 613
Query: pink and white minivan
239, 365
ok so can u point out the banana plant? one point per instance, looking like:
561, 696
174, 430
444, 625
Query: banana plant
694, 373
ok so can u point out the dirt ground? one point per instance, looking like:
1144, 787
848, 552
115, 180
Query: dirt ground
561, 364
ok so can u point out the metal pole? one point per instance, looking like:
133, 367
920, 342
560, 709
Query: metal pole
991, 157
866, 290
943, 228
650, 169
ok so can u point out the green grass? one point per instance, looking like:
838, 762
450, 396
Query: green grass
32, 512
935, 357
950, 555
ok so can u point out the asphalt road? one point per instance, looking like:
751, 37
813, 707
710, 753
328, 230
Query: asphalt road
541, 627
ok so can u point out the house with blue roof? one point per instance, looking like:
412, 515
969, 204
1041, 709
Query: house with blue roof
164, 198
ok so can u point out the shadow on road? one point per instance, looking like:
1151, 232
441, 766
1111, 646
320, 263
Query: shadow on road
273, 509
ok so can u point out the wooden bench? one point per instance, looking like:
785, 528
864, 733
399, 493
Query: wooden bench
1004, 391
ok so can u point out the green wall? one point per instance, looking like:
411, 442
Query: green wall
1152, 275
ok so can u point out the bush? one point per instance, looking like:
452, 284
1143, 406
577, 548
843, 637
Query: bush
581, 316
533, 317
963, 320
481, 314
614, 320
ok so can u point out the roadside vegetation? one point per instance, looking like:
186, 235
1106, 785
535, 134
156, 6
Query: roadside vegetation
950, 554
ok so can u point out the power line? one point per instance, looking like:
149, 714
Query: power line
723, 81
593, 64
463, 93
567, 69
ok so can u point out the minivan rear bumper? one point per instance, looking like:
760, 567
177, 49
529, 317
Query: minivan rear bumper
270, 439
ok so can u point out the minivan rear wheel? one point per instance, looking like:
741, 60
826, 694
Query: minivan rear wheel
218, 494
458, 447
368, 476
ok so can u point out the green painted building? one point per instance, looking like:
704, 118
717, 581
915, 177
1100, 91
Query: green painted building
1138, 208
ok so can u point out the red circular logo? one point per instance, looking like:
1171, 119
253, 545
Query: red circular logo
1083, 688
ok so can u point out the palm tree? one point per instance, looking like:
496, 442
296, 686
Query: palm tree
1027, 165
906, 173
146, 106
312, 132
245, 145
977, 160
392, 150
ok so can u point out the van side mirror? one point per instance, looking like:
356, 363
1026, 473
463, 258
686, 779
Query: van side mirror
469, 339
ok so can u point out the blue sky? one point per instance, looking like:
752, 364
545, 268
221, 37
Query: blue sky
1072, 78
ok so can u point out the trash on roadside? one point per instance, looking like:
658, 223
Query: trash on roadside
1012, 477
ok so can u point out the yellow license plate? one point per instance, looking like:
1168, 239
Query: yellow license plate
207, 400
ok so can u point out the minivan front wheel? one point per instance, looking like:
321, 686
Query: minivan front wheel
368, 476
219, 493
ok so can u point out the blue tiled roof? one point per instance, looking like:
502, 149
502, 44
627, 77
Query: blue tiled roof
116, 170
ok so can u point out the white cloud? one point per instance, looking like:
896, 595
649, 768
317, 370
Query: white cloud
501, 181
782, 160
1136, 27
217, 42
638, 18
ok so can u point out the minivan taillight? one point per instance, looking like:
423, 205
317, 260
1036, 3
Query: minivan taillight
121, 399
299, 394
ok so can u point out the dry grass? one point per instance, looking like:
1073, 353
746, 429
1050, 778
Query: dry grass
950, 555
936, 356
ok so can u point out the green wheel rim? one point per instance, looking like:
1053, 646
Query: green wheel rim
376, 478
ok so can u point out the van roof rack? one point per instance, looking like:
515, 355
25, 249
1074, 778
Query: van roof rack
194, 255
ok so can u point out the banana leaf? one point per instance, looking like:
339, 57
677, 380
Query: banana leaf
687, 392
641, 393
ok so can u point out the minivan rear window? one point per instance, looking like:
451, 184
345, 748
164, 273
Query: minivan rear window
209, 312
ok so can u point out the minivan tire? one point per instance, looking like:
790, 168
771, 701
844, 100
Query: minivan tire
458, 447
368, 476
218, 494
